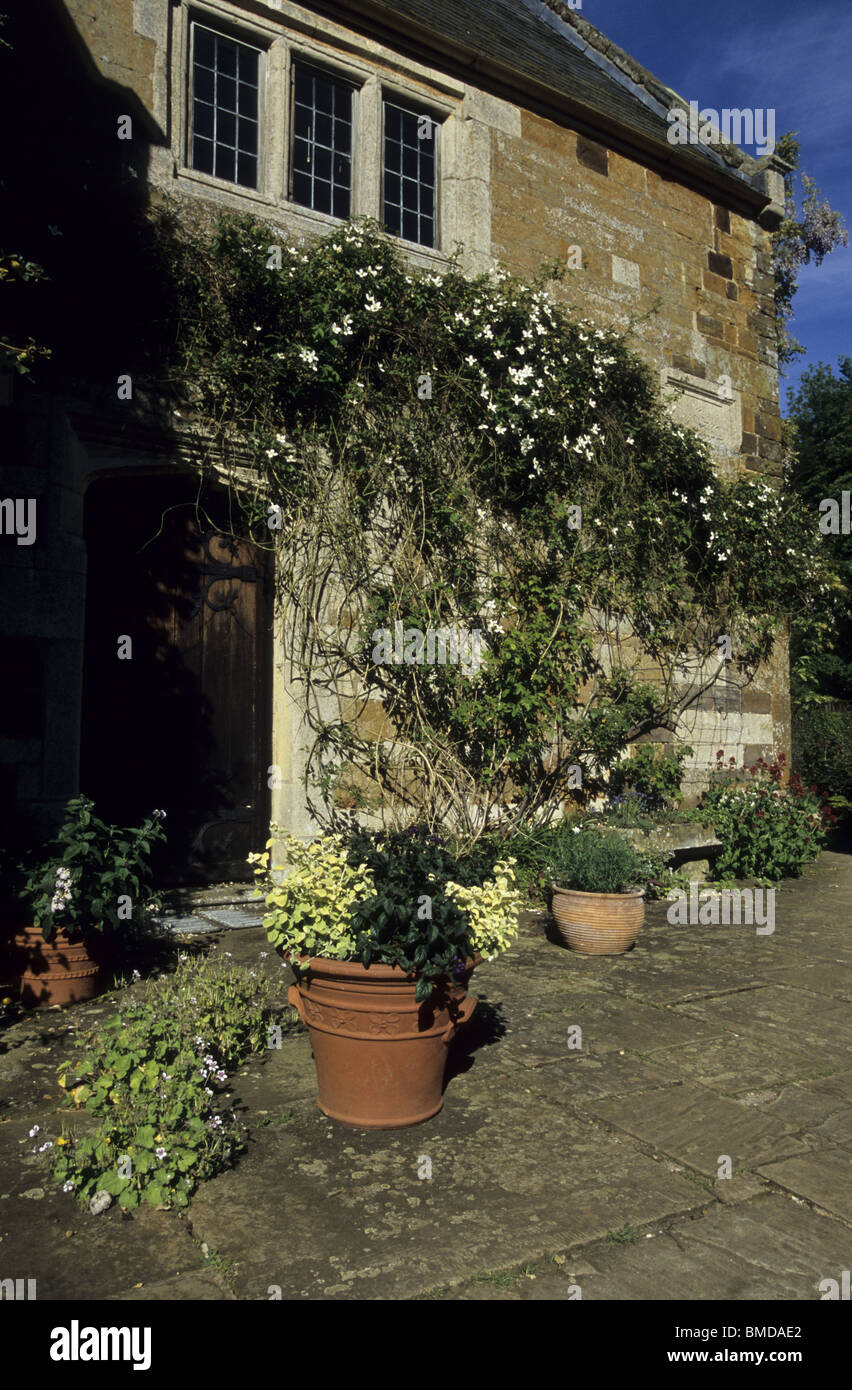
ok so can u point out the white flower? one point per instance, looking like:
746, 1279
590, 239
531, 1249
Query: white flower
372, 305
308, 356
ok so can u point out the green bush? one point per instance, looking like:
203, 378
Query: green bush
822, 748
154, 1077
768, 830
80, 885
651, 776
594, 861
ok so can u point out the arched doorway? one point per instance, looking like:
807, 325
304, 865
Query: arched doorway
179, 719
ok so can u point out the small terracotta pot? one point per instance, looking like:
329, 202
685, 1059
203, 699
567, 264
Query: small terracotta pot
598, 924
380, 1055
58, 971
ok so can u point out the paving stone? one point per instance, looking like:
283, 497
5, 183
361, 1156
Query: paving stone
823, 1116
384, 1232
579, 1078
234, 918
203, 1286
190, 926
769, 1250
732, 1064
782, 1017
816, 976
821, 1177
693, 1125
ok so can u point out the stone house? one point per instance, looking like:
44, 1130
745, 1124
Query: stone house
512, 128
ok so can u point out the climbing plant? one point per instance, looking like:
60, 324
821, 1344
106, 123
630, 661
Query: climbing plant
462, 467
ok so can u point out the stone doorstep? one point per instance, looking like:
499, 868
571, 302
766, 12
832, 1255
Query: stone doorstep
212, 909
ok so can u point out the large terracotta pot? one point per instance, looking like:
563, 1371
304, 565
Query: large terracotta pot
58, 971
380, 1055
598, 924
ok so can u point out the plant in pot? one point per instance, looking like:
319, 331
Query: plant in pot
84, 891
383, 931
598, 892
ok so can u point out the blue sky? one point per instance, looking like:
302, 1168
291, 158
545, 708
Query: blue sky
795, 57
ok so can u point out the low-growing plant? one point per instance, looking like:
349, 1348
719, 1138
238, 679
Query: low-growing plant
154, 1079
598, 861
768, 830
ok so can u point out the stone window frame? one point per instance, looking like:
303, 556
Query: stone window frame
279, 49
438, 113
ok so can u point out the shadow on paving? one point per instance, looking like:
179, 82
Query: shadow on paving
591, 1109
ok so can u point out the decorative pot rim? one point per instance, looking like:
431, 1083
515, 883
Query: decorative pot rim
74, 934
611, 897
376, 970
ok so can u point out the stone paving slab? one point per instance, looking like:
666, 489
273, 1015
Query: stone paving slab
822, 1177
694, 1125
781, 1017
772, 1250
202, 1287
733, 1064
817, 977
576, 1078
824, 1117
74, 1255
360, 1223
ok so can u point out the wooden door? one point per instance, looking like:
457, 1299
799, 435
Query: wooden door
182, 724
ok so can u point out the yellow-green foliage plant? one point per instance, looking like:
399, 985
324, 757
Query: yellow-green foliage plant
492, 908
401, 898
309, 901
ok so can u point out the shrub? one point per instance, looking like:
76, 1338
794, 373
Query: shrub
400, 899
768, 830
652, 776
153, 1076
79, 886
822, 749
594, 861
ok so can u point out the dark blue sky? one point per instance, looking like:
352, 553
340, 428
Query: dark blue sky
793, 56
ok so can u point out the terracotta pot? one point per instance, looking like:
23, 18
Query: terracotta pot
58, 971
598, 924
380, 1055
